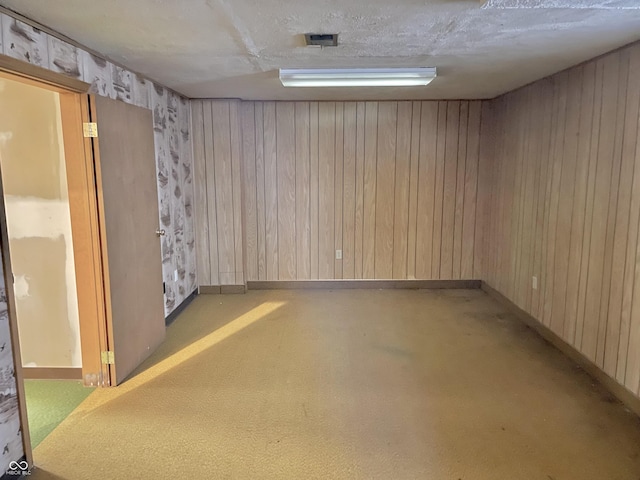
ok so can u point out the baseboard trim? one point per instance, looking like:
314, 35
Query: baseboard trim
221, 289
619, 391
180, 308
52, 373
362, 284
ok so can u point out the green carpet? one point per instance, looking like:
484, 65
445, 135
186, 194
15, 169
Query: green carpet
49, 402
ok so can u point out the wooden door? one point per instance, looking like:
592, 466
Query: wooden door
128, 205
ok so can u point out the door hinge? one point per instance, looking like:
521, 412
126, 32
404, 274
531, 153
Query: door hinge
90, 129
108, 358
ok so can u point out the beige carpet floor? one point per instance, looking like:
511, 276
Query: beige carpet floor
351, 384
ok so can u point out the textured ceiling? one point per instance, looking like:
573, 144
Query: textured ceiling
233, 48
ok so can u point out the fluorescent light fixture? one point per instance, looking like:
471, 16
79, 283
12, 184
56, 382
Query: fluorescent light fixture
357, 77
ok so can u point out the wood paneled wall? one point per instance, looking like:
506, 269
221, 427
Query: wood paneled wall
564, 206
391, 184
218, 190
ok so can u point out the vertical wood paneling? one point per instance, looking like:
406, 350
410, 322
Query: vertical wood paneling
200, 191
210, 176
237, 194
284, 185
566, 153
303, 205
370, 175
401, 189
620, 79
438, 209
611, 311
271, 190
460, 189
426, 191
338, 188
359, 214
449, 183
469, 209
349, 191
260, 194
286, 189
561, 164
604, 170
416, 110
222, 165
313, 188
585, 114
565, 212
385, 180
632, 132
326, 187
486, 170
248, 128
586, 245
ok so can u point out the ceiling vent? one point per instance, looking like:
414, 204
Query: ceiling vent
321, 39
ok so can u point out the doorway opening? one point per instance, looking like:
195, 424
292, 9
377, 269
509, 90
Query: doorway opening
36, 198
51, 251
101, 226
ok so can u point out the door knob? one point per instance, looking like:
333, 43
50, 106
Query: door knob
160, 232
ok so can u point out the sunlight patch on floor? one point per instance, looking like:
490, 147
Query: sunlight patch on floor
105, 395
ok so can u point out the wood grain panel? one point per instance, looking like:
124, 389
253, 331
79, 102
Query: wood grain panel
621, 78
449, 184
472, 152
326, 187
561, 164
210, 176
303, 175
349, 191
271, 190
220, 151
286, 189
632, 125
359, 214
628, 128
426, 191
564, 207
610, 325
200, 191
369, 190
338, 188
313, 186
385, 180
401, 190
587, 74
221, 126
237, 192
413, 189
458, 198
248, 126
261, 212
604, 170
286, 184
438, 201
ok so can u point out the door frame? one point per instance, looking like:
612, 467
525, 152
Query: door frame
80, 159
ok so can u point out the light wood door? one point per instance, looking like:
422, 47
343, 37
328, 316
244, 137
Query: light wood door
127, 193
